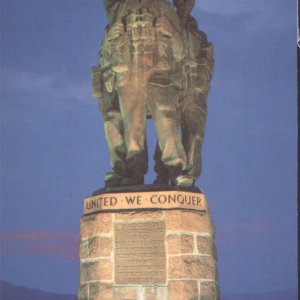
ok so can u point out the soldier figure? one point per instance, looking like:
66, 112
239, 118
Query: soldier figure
139, 60
197, 73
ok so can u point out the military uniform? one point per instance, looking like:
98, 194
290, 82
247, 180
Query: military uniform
198, 69
197, 73
140, 64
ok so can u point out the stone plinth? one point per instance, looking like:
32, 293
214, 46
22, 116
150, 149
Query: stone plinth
147, 250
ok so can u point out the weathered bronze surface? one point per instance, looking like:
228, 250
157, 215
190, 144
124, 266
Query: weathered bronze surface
154, 63
140, 255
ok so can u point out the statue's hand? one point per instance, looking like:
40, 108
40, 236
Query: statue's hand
97, 82
115, 31
203, 80
164, 26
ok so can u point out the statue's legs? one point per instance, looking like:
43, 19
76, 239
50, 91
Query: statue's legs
114, 132
133, 111
193, 118
162, 172
162, 103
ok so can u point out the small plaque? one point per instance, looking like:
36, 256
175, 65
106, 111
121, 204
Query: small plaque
140, 255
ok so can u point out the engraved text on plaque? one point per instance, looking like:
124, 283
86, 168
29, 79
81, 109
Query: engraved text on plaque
140, 255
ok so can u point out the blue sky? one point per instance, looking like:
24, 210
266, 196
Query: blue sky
53, 150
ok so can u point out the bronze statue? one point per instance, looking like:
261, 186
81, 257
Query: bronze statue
196, 74
139, 75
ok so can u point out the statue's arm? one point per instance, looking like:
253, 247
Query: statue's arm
168, 25
205, 60
167, 22
103, 65
111, 5
97, 82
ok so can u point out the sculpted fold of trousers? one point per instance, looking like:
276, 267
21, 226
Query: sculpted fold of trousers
192, 114
166, 121
193, 119
114, 130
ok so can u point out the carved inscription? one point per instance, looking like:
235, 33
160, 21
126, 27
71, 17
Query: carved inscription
143, 200
140, 255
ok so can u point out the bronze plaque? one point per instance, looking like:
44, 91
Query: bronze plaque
140, 255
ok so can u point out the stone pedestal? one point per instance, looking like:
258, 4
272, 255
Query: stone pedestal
155, 246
